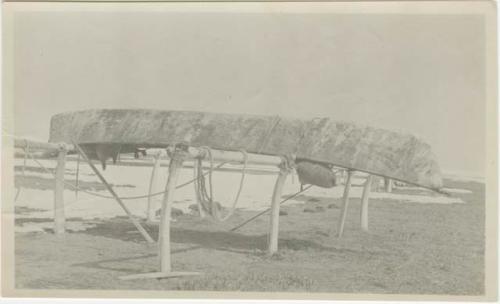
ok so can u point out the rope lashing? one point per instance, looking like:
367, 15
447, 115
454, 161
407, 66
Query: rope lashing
205, 198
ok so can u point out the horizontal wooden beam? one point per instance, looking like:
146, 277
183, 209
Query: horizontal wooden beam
232, 156
193, 152
38, 145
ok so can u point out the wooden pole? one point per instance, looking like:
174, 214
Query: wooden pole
201, 211
232, 156
166, 207
153, 187
275, 211
364, 203
137, 225
35, 145
59, 217
345, 203
176, 160
388, 184
193, 152
344, 173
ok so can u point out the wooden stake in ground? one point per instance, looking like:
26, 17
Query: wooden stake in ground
364, 202
59, 217
153, 187
345, 198
137, 225
275, 211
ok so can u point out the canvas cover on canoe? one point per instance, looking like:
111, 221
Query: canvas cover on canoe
382, 152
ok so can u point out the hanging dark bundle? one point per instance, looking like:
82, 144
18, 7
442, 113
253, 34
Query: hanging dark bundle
317, 174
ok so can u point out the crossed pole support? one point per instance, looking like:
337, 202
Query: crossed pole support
59, 212
178, 155
134, 221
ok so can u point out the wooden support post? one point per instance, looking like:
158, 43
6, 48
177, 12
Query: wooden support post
388, 184
201, 211
275, 211
364, 202
166, 208
176, 160
137, 225
153, 187
345, 203
59, 217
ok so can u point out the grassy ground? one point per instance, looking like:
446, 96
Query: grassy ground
411, 248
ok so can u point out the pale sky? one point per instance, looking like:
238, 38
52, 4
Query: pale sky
421, 73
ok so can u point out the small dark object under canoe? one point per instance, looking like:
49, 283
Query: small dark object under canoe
315, 174
382, 152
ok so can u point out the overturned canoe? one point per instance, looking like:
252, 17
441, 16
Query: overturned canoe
382, 152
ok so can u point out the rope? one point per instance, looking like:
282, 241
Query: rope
205, 199
125, 197
240, 188
200, 189
267, 210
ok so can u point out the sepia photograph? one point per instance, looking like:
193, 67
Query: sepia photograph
250, 150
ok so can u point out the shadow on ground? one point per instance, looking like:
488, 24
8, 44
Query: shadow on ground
122, 229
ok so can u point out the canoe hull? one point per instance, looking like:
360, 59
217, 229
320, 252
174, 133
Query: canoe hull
387, 153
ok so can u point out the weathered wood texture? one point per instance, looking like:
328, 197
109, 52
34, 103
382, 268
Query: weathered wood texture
59, 217
275, 212
364, 202
36, 145
399, 156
